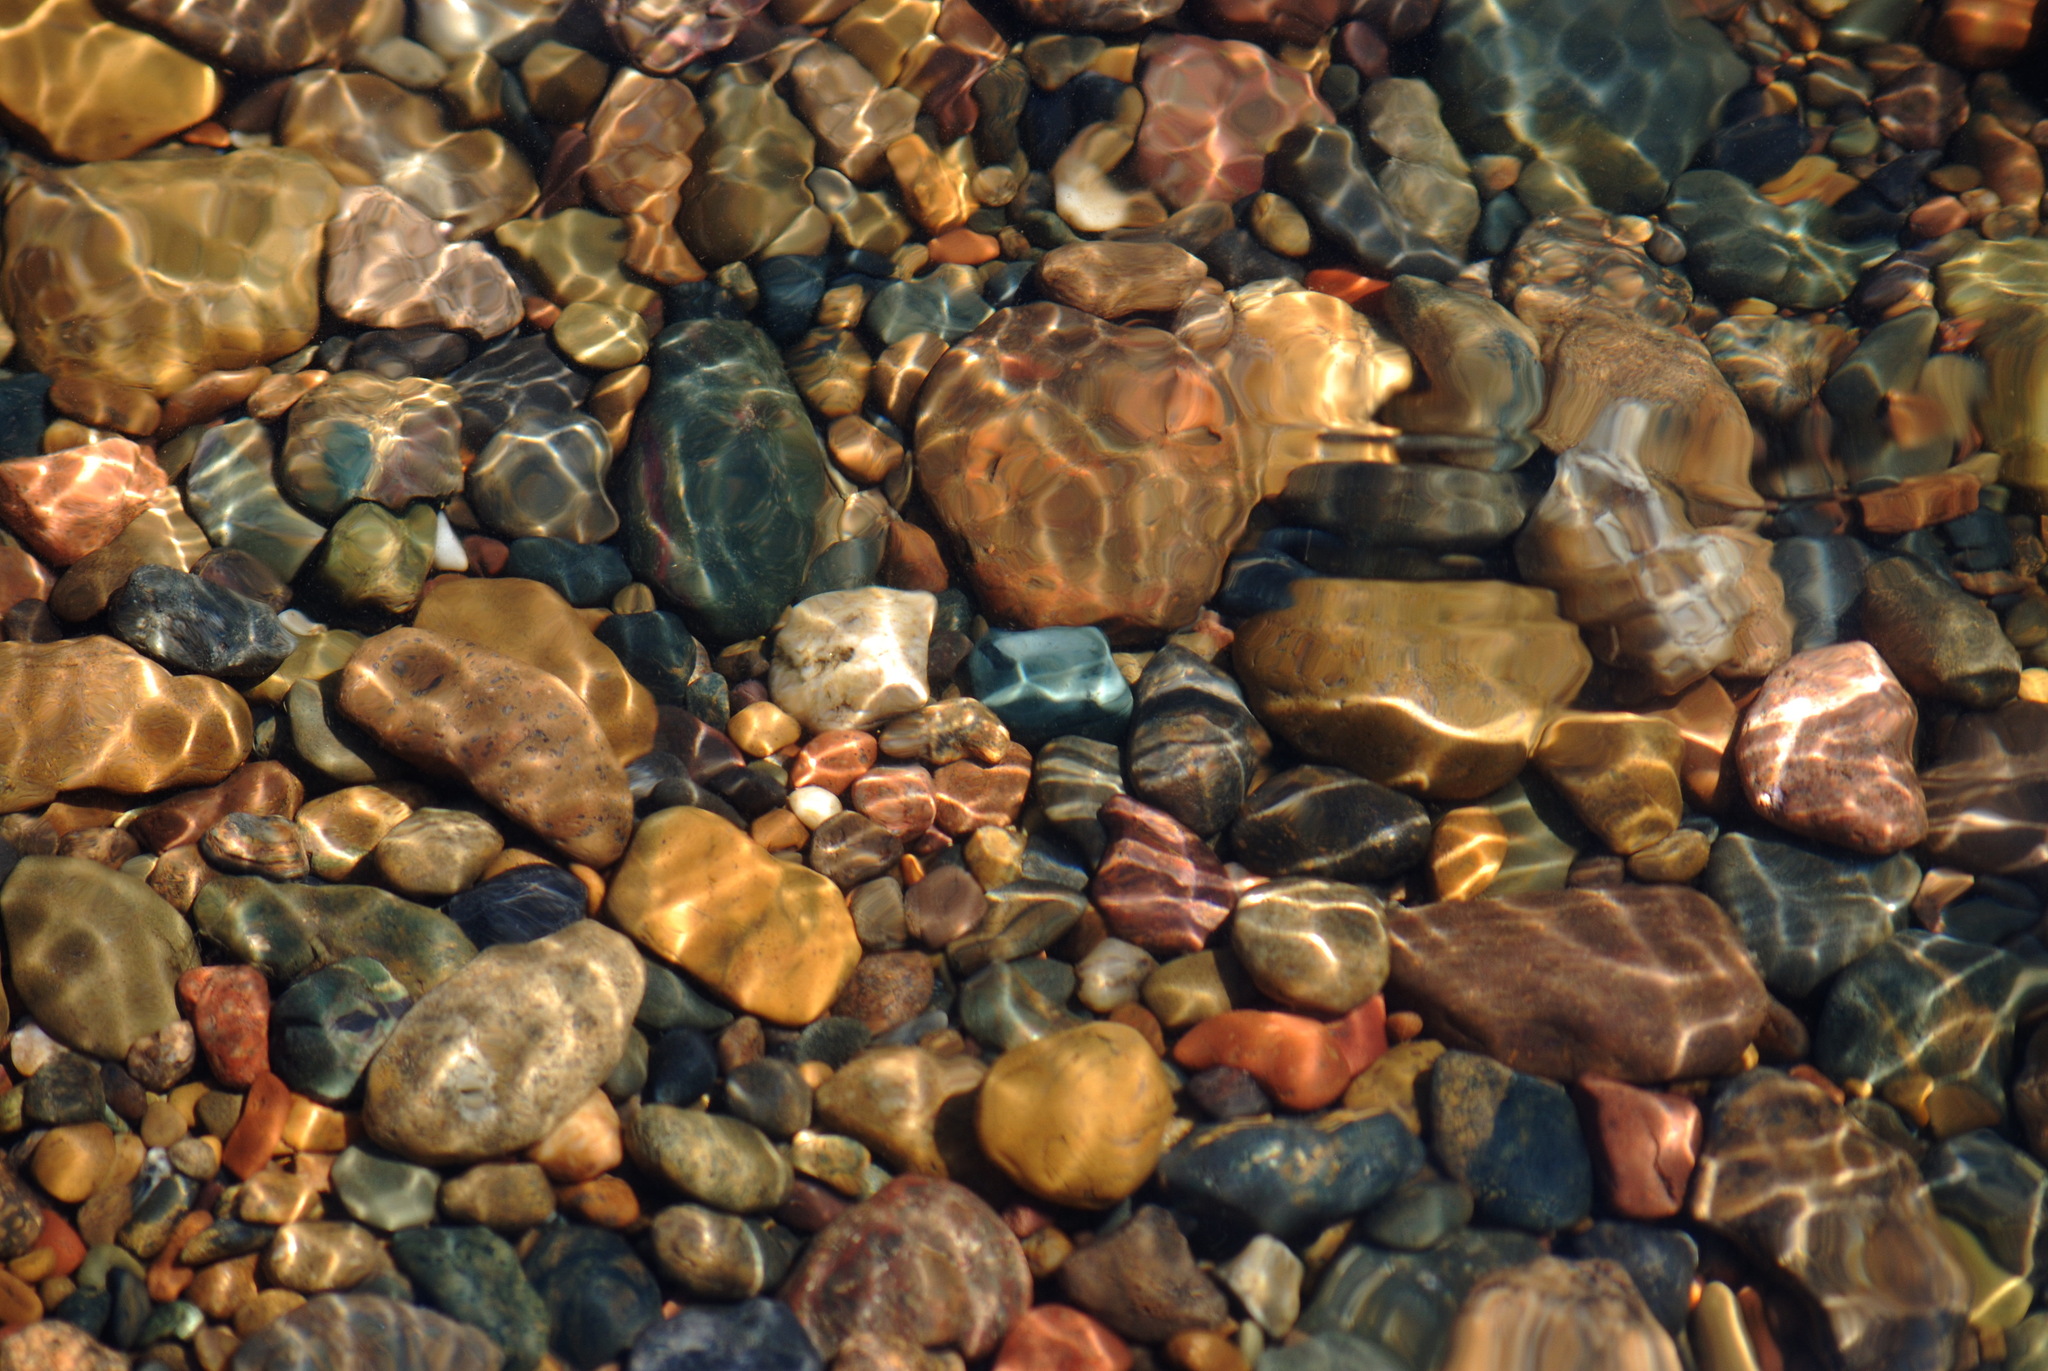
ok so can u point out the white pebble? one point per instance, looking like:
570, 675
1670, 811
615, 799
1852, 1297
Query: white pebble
298, 625
32, 1049
813, 804
1112, 973
448, 552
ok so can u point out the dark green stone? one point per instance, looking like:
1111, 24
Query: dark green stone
1012, 1003
587, 575
1806, 911
1513, 1139
724, 479
1740, 245
1936, 639
1047, 682
657, 651
946, 301
68, 1089
289, 930
473, 1275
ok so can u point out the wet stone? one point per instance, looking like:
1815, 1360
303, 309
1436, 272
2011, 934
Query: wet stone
598, 1295
473, 1274
1588, 1312
1325, 822
753, 1335
586, 575
1319, 167
1806, 911
289, 929
193, 625
1060, 410
1049, 683
233, 494
1928, 1021
1825, 751
542, 476
1938, 640
1740, 245
1984, 783
1190, 751
382, 1192
1142, 1281
734, 567
1643, 983
388, 267
1513, 1140
1158, 885
1289, 1177
1076, 1117
1888, 1290
1311, 944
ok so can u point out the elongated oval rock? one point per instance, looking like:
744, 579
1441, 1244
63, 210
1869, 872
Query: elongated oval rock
518, 736
774, 938
367, 1333
465, 1076
1583, 1314
290, 929
94, 953
1643, 983
724, 478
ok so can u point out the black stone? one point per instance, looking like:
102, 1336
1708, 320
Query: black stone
1324, 821
523, 904
193, 625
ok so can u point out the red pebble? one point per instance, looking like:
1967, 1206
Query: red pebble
898, 796
1053, 1337
1361, 1035
834, 760
255, 1136
1297, 1060
229, 1007
1644, 1144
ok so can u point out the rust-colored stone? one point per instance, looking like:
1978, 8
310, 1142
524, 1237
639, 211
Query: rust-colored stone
1213, 110
1296, 1059
68, 504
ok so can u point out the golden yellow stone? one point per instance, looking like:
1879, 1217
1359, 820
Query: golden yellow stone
318, 656
763, 727
341, 828
1673, 859
2034, 685
831, 370
316, 1256
882, 33
1187, 990
71, 1161
1301, 364
890, 1099
1619, 772
614, 400
933, 189
861, 218
153, 273
1434, 687
474, 90
1077, 1117
773, 938
746, 189
529, 621
57, 731
601, 336
1998, 1298
1466, 852
94, 90
576, 256
1390, 1084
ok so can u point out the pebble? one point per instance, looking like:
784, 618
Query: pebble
1043, 1108
719, 1161
339, 1331
1289, 1177
1586, 1311
461, 1078
752, 1335
1311, 944
1325, 822
1050, 683
1141, 1280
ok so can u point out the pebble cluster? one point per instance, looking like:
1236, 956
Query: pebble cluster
1023, 685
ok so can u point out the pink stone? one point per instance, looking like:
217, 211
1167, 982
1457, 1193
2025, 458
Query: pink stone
1159, 885
898, 796
229, 1007
834, 760
972, 796
1826, 751
1213, 110
1644, 1145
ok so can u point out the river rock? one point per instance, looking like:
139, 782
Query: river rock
1289, 1177
366, 1332
516, 734
720, 414
473, 1275
924, 1260
1585, 1312
1806, 911
1986, 785
1642, 983
1191, 750
1938, 640
712, 1158
94, 954
1804, 1190
1512, 1140
1313, 945
289, 929
1057, 411
463, 1078
852, 659
1142, 1280
774, 938
1077, 1117
753, 1335
1323, 821
193, 625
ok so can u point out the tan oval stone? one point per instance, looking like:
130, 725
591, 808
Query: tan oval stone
1620, 772
1077, 1117
315, 1257
57, 734
342, 828
91, 89
890, 1097
71, 1161
389, 267
529, 621
153, 273
516, 734
466, 1076
774, 938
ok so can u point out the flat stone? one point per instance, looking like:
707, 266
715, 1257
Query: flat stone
747, 177
851, 659
1142, 1280
389, 267
774, 939
534, 750
1513, 1140
433, 853
598, 1295
366, 129
1384, 677
530, 622
1985, 785
1158, 885
295, 35
1507, 69
462, 1079
94, 954
1784, 1163
290, 929
473, 1274
753, 1335
1826, 751
542, 476
1585, 1311
734, 566
343, 1332
193, 625
1619, 772
1936, 639
329, 1024
232, 491
1078, 1117
1068, 419
155, 311
1656, 596
165, 91
1192, 748
1322, 821
1806, 911
1742, 246
1182, 150
1113, 279
1286, 1177
1642, 983
1048, 683
362, 436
